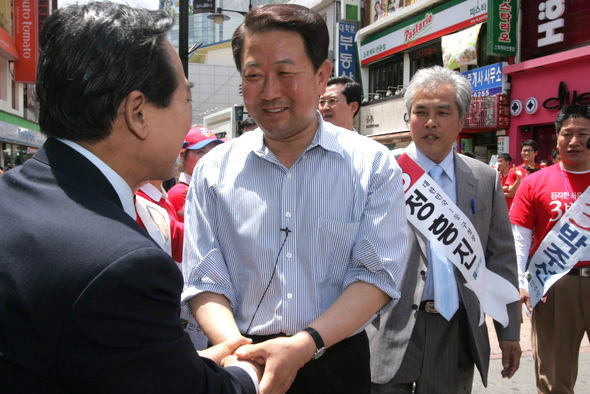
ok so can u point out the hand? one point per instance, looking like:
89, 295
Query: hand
234, 360
282, 357
518, 173
525, 299
510, 357
220, 351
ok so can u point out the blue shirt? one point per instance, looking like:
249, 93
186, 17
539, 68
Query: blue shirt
342, 201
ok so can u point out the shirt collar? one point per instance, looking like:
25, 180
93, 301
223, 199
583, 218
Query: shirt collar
153, 192
121, 187
325, 136
185, 178
448, 163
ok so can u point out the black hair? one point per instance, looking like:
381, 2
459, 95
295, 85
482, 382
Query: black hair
352, 90
571, 111
91, 57
531, 143
505, 156
287, 17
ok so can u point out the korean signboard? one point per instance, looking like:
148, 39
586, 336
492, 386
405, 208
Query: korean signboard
501, 36
485, 81
346, 58
553, 25
448, 17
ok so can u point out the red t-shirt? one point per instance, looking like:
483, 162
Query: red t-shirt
512, 174
504, 182
177, 197
176, 226
543, 197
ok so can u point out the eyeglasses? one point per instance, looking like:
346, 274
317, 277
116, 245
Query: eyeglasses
332, 101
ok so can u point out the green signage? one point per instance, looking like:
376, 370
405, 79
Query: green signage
501, 35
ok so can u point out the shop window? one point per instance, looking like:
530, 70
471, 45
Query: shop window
387, 74
425, 56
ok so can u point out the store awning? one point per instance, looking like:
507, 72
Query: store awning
7, 47
391, 138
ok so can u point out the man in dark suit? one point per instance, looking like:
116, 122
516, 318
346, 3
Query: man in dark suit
88, 302
416, 348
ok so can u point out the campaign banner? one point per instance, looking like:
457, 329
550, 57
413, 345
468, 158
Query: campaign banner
561, 248
447, 228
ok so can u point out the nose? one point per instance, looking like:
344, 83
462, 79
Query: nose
270, 88
431, 122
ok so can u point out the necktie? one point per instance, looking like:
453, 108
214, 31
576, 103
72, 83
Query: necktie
446, 298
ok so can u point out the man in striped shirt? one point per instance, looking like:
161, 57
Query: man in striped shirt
296, 231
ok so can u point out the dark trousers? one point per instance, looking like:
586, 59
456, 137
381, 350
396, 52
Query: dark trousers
344, 368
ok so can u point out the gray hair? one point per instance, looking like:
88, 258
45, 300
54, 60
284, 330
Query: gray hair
429, 78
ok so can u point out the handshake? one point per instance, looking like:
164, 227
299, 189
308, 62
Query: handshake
276, 361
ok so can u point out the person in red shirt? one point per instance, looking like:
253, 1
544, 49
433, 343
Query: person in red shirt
197, 143
559, 320
154, 192
504, 161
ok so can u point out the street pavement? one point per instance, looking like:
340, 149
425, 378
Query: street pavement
524, 379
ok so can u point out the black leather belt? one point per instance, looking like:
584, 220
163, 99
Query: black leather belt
582, 272
428, 306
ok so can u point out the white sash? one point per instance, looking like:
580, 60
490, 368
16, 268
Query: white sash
563, 246
440, 221
157, 223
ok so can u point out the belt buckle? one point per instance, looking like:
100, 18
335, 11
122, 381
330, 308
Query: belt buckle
584, 272
429, 307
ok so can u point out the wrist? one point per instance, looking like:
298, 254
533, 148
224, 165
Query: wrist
320, 347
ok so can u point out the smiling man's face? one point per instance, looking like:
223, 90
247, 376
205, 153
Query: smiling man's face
281, 90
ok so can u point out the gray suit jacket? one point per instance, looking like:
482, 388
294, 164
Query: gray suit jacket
389, 341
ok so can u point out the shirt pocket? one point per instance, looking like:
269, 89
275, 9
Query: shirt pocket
335, 241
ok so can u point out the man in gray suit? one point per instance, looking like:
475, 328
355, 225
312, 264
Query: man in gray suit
414, 347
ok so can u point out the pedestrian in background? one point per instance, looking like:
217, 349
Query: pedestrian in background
197, 143
560, 318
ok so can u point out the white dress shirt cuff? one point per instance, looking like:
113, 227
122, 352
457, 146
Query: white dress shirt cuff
522, 243
250, 370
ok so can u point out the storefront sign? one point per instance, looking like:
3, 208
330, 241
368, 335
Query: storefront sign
383, 117
552, 25
447, 18
564, 98
460, 49
7, 49
489, 112
20, 135
346, 63
485, 81
501, 35
203, 6
350, 10
26, 37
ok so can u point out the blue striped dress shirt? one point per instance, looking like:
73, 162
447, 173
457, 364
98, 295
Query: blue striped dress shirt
342, 201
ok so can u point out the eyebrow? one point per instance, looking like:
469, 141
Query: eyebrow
256, 64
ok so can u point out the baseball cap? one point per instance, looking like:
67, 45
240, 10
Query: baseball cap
198, 138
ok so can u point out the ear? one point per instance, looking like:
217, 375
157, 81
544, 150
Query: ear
134, 107
354, 106
323, 75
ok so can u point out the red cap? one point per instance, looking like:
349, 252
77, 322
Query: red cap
199, 137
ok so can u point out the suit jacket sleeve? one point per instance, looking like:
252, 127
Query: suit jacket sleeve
501, 258
125, 335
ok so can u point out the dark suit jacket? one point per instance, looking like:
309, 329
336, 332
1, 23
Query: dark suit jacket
88, 302
474, 180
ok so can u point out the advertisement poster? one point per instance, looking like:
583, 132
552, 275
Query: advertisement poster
460, 49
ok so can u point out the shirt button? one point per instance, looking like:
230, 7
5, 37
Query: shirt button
289, 176
289, 296
289, 255
423, 273
288, 214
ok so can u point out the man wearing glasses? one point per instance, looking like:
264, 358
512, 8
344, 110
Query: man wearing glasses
341, 101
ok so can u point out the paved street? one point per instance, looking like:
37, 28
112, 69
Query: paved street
524, 379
